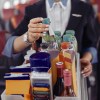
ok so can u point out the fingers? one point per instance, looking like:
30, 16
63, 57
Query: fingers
87, 70
35, 28
38, 30
86, 67
36, 20
87, 73
38, 25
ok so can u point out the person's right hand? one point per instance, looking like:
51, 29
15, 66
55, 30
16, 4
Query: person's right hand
36, 28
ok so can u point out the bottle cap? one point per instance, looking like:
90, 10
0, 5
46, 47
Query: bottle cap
71, 32
58, 33
46, 21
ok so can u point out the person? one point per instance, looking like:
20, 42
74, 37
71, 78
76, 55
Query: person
97, 25
64, 15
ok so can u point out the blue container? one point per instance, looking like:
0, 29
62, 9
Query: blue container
40, 61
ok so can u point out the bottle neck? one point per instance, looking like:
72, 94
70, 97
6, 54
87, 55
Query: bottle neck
60, 72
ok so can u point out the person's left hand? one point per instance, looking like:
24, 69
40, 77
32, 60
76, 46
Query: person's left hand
86, 67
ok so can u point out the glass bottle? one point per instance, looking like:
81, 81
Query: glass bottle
68, 91
45, 37
62, 54
71, 34
72, 48
59, 86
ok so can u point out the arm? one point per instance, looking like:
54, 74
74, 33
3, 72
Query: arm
35, 28
86, 65
89, 57
19, 45
89, 44
28, 25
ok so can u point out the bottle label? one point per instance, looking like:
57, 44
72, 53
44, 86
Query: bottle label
67, 77
60, 68
67, 81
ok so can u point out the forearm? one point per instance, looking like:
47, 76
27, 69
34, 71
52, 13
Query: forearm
87, 56
19, 44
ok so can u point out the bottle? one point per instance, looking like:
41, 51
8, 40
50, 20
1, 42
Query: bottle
59, 86
68, 91
45, 34
64, 56
67, 38
72, 48
71, 34
65, 46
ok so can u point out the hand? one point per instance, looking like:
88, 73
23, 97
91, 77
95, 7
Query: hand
86, 67
36, 28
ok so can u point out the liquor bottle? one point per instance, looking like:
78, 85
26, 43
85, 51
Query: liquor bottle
72, 48
68, 91
59, 86
64, 56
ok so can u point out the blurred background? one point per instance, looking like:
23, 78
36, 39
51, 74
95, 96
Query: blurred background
11, 14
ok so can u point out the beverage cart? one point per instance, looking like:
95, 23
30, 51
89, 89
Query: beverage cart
81, 83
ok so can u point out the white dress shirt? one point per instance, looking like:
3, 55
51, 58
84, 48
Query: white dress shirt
59, 15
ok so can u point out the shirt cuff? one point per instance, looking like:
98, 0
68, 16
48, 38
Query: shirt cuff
93, 51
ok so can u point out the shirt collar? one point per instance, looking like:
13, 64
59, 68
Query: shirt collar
51, 2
